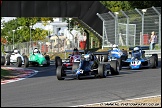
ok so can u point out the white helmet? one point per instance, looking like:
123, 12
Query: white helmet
115, 46
136, 49
35, 50
16, 51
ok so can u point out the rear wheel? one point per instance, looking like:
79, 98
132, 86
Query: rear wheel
26, 61
152, 62
120, 63
101, 71
105, 58
19, 62
60, 72
8, 60
58, 61
114, 67
2, 60
156, 57
48, 59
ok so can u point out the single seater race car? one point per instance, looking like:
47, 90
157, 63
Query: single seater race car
15, 58
88, 66
36, 58
117, 54
74, 57
138, 59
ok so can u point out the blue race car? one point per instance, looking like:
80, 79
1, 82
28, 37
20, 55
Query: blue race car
119, 55
88, 66
138, 59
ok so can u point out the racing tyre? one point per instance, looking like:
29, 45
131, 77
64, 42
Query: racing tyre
105, 58
114, 67
2, 60
152, 62
120, 63
8, 60
59, 73
19, 62
56, 61
101, 71
48, 59
26, 61
156, 56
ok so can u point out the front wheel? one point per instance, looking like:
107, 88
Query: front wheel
26, 61
2, 60
101, 71
19, 62
60, 72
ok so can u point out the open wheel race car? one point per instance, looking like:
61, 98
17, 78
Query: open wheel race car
138, 59
15, 58
36, 58
88, 66
74, 57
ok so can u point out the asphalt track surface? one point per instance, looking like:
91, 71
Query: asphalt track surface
44, 90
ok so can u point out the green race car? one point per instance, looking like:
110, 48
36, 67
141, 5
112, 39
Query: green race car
38, 59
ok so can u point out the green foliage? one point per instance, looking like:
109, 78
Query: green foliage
116, 6
22, 29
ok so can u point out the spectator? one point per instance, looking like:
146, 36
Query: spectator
153, 40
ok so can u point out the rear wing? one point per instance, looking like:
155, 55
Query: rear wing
8, 51
101, 53
80, 51
141, 47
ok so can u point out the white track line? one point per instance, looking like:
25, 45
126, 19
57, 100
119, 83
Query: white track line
116, 101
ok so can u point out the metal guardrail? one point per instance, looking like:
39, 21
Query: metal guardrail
148, 52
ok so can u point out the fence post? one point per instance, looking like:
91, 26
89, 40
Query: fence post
159, 25
127, 27
142, 15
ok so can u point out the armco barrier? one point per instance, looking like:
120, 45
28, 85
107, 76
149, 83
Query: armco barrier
150, 52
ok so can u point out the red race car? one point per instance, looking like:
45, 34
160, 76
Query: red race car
74, 57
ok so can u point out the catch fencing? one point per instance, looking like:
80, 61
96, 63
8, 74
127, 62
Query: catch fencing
130, 28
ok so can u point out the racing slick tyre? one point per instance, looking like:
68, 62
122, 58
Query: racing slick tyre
101, 71
114, 67
57, 61
105, 58
59, 73
120, 63
26, 61
48, 59
152, 62
156, 56
2, 60
8, 60
19, 62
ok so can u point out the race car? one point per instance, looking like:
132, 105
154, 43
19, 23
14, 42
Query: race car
138, 59
36, 58
117, 54
74, 57
88, 66
15, 58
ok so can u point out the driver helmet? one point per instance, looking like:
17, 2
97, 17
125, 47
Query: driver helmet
115, 47
136, 49
35, 51
87, 57
75, 51
16, 51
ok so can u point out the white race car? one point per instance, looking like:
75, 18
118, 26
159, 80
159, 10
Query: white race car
14, 57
